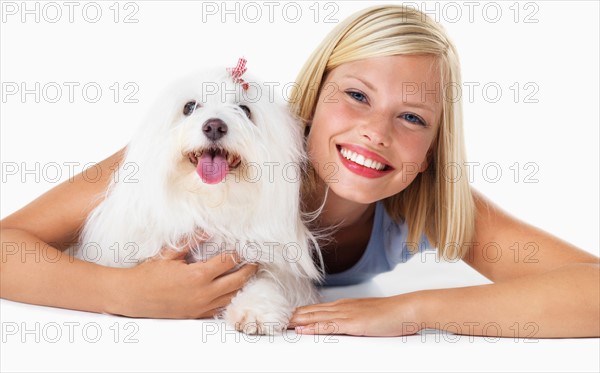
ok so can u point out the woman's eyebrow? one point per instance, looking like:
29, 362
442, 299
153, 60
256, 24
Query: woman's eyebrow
369, 85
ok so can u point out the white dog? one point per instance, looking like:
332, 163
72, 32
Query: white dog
218, 155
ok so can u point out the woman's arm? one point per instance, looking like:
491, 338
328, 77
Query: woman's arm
34, 267
544, 288
33, 271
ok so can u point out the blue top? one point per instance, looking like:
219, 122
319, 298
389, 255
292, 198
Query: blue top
387, 247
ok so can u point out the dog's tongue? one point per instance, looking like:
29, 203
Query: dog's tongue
212, 167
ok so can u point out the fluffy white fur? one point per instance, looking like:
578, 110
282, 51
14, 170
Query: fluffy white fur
255, 210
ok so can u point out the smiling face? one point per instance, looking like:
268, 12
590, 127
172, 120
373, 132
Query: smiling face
373, 125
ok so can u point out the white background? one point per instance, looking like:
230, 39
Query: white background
557, 136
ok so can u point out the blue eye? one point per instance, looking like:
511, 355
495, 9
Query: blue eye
414, 119
357, 96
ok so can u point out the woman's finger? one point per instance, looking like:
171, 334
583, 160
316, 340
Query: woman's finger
219, 264
209, 314
168, 253
235, 280
191, 242
316, 307
183, 246
334, 326
224, 300
313, 317
217, 305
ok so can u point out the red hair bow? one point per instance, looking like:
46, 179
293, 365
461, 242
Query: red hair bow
237, 72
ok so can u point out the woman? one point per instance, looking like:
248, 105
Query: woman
389, 147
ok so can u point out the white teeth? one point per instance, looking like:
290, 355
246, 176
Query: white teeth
361, 160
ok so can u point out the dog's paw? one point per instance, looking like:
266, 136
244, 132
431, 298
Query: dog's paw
250, 322
265, 316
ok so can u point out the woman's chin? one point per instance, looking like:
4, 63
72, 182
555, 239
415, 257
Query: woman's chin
354, 193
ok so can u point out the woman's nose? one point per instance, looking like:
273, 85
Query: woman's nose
377, 131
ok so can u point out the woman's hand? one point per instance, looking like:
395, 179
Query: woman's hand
167, 287
385, 317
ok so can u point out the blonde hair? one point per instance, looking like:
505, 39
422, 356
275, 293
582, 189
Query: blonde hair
438, 203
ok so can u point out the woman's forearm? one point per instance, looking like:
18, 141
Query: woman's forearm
32, 271
561, 303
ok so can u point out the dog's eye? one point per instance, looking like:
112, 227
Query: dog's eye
246, 110
189, 107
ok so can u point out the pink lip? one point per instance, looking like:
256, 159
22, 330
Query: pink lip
362, 170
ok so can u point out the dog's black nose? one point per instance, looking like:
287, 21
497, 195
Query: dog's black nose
214, 129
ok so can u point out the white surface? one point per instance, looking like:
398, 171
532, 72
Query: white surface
558, 135
208, 345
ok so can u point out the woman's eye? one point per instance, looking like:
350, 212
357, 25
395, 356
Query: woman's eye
246, 110
189, 107
412, 118
357, 96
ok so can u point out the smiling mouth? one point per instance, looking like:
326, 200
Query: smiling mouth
233, 160
363, 161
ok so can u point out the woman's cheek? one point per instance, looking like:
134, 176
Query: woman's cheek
316, 144
417, 152
331, 117
327, 122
